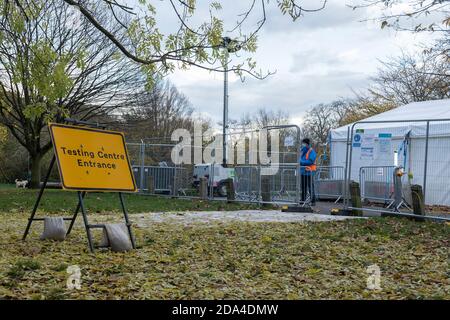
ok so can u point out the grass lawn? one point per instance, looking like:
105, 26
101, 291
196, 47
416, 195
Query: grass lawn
238, 260
57, 201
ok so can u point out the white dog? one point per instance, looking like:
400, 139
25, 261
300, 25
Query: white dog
21, 183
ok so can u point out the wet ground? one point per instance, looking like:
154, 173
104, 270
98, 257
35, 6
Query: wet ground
321, 213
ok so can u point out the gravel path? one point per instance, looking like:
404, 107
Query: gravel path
145, 219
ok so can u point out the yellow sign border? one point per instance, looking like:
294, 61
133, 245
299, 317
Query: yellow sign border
51, 125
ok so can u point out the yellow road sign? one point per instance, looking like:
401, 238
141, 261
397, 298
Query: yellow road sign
91, 159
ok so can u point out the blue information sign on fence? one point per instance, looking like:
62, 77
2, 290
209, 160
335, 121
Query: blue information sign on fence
357, 140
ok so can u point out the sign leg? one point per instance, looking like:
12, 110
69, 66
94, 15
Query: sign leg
38, 200
86, 223
127, 221
72, 222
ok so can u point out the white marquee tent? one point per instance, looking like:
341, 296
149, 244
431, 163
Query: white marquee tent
374, 144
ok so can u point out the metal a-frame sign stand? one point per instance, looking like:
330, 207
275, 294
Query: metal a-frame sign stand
80, 205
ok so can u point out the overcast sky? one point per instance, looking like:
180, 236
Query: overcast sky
320, 57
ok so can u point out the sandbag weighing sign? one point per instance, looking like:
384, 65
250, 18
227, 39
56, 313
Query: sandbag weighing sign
89, 158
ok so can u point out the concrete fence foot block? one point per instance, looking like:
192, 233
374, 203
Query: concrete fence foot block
203, 188
355, 195
417, 199
229, 183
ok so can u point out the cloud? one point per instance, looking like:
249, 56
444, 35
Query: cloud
319, 58
306, 59
336, 14
291, 94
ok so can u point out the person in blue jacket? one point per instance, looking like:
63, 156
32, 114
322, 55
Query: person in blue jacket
307, 170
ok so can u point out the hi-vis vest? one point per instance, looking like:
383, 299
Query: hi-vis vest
313, 166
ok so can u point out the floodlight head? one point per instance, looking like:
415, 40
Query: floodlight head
225, 42
230, 44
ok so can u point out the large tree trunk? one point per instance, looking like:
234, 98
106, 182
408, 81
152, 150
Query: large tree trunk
35, 171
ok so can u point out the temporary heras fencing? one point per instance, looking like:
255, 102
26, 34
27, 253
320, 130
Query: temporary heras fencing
387, 154
377, 183
329, 182
154, 171
283, 182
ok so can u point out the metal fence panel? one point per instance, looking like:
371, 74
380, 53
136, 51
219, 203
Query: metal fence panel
377, 183
247, 183
330, 182
163, 178
283, 184
419, 149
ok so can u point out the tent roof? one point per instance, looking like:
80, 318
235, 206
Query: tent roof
425, 110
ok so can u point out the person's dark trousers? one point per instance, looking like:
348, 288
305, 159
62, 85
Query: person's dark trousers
307, 184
